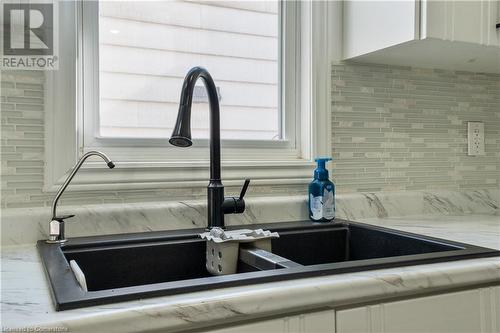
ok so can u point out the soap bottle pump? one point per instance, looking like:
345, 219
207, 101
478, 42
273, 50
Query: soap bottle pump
321, 194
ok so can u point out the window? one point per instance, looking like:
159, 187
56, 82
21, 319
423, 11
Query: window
146, 48
122, 66
135, 54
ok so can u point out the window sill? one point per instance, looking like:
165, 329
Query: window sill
134, 175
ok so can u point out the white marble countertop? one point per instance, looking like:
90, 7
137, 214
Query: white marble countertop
480, 230
26, 298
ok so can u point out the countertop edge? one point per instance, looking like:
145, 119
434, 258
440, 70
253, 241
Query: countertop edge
276, 298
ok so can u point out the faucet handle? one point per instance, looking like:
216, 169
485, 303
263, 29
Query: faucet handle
244, 189
235, 205
63, 217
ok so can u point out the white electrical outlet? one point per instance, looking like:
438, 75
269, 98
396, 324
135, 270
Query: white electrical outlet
475, 138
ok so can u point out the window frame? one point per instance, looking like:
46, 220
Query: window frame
132, 149
152, 166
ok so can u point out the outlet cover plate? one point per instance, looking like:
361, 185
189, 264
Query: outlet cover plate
475, 138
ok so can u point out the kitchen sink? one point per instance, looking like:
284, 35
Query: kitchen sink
132, 266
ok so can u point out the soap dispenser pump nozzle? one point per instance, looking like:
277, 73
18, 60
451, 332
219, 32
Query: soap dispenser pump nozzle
321, 172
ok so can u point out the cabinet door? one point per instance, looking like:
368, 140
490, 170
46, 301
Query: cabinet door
467, 21
470, 21
466, 311
493, 20
316, 322
369, 26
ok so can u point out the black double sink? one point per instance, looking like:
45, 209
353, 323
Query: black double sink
133, 266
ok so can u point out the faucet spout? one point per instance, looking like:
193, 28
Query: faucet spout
56, 225
181, 137
110, 164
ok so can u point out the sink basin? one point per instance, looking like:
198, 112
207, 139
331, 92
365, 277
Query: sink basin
133, 266
126, 265
353, 242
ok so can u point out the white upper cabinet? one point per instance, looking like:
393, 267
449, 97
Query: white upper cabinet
373, 25
493, 26
453, 34
461, 21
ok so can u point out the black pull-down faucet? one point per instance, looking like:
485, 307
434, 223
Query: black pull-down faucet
181, 137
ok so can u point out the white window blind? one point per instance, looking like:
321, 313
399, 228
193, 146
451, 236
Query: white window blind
146, 48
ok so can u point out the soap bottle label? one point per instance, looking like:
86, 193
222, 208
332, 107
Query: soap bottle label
323, 207
316, 207
328, 204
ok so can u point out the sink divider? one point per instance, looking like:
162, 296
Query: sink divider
264, 260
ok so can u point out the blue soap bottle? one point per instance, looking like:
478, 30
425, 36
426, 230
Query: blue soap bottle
321, 194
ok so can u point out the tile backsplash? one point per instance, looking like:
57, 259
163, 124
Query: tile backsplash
402, 128
22, 95
394, 128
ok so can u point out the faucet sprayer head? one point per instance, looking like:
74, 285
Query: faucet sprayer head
180, 141
181, 135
